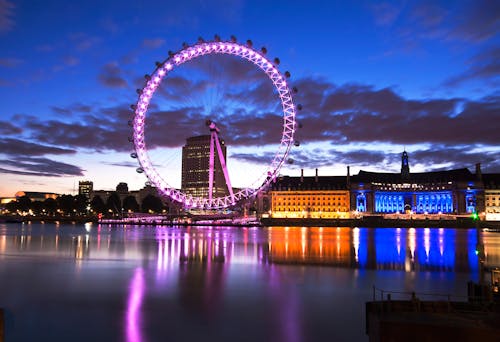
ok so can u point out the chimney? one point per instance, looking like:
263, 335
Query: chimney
301, 175
348, 176
316, 178
479, 175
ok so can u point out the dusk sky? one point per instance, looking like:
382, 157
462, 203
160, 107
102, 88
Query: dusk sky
374, 78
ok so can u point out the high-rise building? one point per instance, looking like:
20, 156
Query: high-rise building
85, 188
195, 168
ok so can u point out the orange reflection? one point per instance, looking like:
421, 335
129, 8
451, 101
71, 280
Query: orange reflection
312, 245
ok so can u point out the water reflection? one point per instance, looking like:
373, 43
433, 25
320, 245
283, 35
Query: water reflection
133, 320
221, 283
412, 249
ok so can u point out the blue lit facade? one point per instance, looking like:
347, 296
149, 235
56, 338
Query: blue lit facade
440, 192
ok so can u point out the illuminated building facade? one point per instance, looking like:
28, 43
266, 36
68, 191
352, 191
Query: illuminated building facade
85, 188
195, 168
492, 196
456, 191
310, 197
452, 192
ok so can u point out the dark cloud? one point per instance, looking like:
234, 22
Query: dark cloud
485, 66
153, 43
97, 133
7, 128
83, 41
478, 21
124, 164
30, 166
15, 147
70, 110
6, 16
411, 25
112, 76
71, 60
354, 113
10, 62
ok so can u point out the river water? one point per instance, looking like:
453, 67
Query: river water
76, 282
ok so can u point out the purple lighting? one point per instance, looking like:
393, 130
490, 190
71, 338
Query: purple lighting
133, 307
186, 54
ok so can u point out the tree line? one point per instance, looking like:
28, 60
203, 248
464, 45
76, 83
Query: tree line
79, 205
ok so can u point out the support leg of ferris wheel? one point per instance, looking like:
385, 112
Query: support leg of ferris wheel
214, 138
213, 135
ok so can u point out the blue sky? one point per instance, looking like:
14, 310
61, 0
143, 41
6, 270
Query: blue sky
373, 77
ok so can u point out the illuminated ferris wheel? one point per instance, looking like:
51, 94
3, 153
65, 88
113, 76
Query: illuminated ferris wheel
148, 165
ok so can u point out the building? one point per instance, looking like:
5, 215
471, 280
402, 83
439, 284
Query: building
195, 168
456, 191
36, 196
448, 192
85, 188
310, 197
492, 196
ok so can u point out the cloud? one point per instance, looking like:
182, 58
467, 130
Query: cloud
10, 62
385, 14
30, 166
70, 60
153, 43
112, 76
83, 41
7, 128
478, 21
412, 25
124, 164
16, 147
6, 16
484, 66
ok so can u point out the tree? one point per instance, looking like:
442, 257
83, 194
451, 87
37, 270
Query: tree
130, 203
97, 204
66, 204
152, 203
50, 206
114, 203
81, 203
24, 203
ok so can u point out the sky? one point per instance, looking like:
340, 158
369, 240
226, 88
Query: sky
373, 79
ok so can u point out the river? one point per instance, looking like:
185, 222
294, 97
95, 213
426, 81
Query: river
81, 282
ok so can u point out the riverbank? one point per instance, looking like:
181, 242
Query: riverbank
368, 221
376, 221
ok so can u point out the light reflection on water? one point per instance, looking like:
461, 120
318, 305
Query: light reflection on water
220, 283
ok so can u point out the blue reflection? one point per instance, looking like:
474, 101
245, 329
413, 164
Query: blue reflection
471, 250
390, 246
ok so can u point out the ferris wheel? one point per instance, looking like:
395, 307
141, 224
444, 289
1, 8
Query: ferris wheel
284, 137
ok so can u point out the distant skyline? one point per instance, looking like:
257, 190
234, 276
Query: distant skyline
374, 79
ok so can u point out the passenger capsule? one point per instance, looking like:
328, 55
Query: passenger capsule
233, 39
130, 123
139, 170
299, 106
133, 155
130, 139
296, 143
249, 43
287, 74
264, 50
277, 61
295, 90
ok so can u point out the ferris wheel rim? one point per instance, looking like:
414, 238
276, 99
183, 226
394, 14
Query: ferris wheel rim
186, 54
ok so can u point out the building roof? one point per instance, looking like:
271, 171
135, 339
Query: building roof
287, 183
491, 180
419, 177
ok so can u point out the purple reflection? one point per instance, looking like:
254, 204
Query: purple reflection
134, 305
